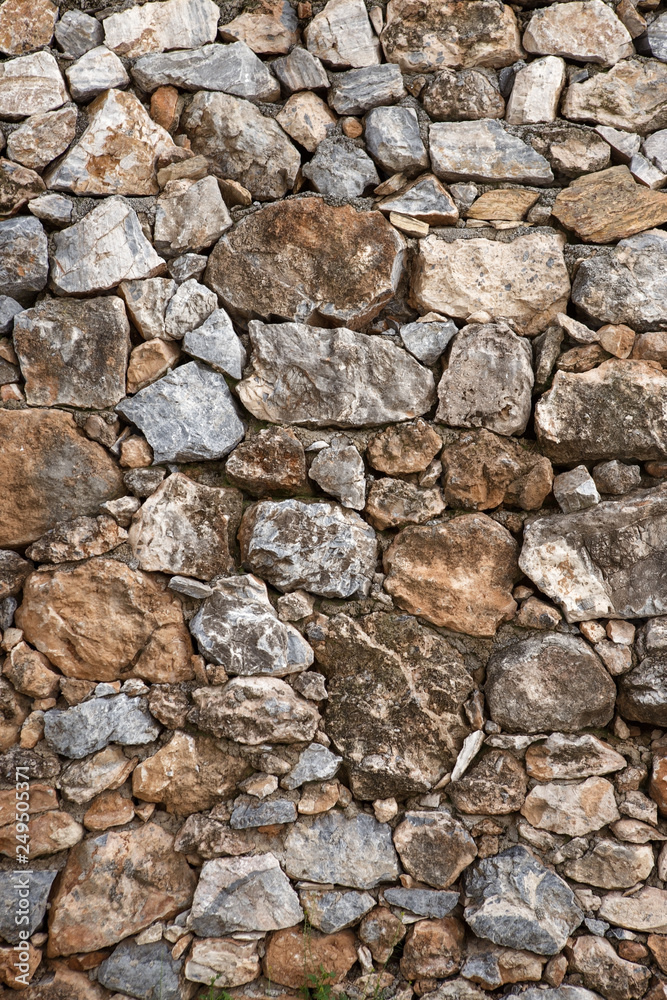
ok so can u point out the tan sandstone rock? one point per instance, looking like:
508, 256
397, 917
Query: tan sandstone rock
572, 809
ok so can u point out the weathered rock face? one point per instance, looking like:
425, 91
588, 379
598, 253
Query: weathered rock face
458, 574
474, 390
641, 691
306, 261
628, 97
535, 293
73, 353
176, 24
434, 848
571, 757
319, 547
574, 810
101, 620
253, 710
588, 33
233, 69
550, 682
496, 785
354, 852
51, 473
30, 85
132, 877
136, 967
291, 957
481, 470
611, 865
609, 205
455, 154
91, 725
573, 558
290, 377
413, 675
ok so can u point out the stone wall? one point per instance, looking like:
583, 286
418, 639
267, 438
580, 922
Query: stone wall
333, 501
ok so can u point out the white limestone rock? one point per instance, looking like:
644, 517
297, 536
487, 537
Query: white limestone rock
96, 71
30, 85
215, 342
154, 27
341, 36
484, 151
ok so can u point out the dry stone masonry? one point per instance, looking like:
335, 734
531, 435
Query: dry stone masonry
333, 499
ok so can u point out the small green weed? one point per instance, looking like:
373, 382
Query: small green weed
214, 993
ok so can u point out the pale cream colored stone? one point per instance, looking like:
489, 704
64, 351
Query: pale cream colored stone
307, 119
585, 30
536, 92
572, 809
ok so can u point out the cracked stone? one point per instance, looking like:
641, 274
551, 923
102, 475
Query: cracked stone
30, 85
24, 258
484, 151
628, 97
589, 32
83, 729
574, 810
96, 71
270, 29
361, 90
254, 710
341, 36
427, 200
154, 27
355, 852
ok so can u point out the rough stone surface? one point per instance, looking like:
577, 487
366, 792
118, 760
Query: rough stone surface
481, 470
574, 810
628, 97
589, 32
253, 710
134, 969
30, 85
434, 848
154, 27
455, 150
23, 256
291, 958
83, 729
355, 852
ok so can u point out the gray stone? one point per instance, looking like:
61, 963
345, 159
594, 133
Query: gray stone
548, 682
434, 847
655, 147
73, 353
404, 738
190, 219
96, 71
361, 90
341, 170
188, 265
13, 572
339, 471
342, 36
186, 416
578, 419
39, 885
77, 33
216, 342
394, 141
80, 538
254, 710
516, 902
144, 971
41, 138
626, 284
143, 482
243, 894
560, 993
484, 151
318, 547
30, 85
575, 490
190, 305
356, 852
642, 692
466, 95
332, 911
315, 763
52, 208
246, 146
248, 813
238, 628
311, 684
307, 375
300, 70
574, 558
108, 246
656, 37
147, 303
616, 478
24, 261
423, 902
427, 341
9, 308
153, 27
489, 380
232, 69
424, 199
91, 725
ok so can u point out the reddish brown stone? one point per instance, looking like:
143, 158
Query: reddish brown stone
271, 462
166, 107
42, 798
10, 960
49, 833
381, 931
404, 447
26, 25
30, 672
108, 809
481, 470
658, 782
294, 954
433, 948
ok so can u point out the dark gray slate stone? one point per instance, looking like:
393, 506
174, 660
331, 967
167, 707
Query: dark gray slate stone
145, 971
39, 885
90, 726
248, 813
423, 902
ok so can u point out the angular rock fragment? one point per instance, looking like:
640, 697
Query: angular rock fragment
73, 353
552, 682
339, 471
40, 883
602, 969
271, 462
18, 187
536, 92
77, 32
401, 739
149, 362
356, 852
319, 547
641, 695
627, 284
237, 628
135, 968
589, 32
13, 572
154, 27
248, 813
80, 538
424, 199
615, 477
628, 97
81, 781
183, 528
645, 910
496, 785
611, 865
25, 26
393, 503
493, 966
254, 710
133, 877
286, 260
190, 219
224, 960
433, 948
524, 282
478, 33
333, 911
146, 303
468, 95
105, 248
488, 381
30, 85
341, 35
308, 120
42, 137
458, 574
482, 470
188, 774
394, 141
434, 847
101, 620
216, 342
568, 757
575, 490
609, 205
403, 448
516, 902
341, 170
186, 416
188, 308
573, 558
574, 810
269, 29
51, 473
96, 71
300, 70
360, 90
319, 377
484, 151
243, 894
423, 902
232, 69
24, 262
90, 726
